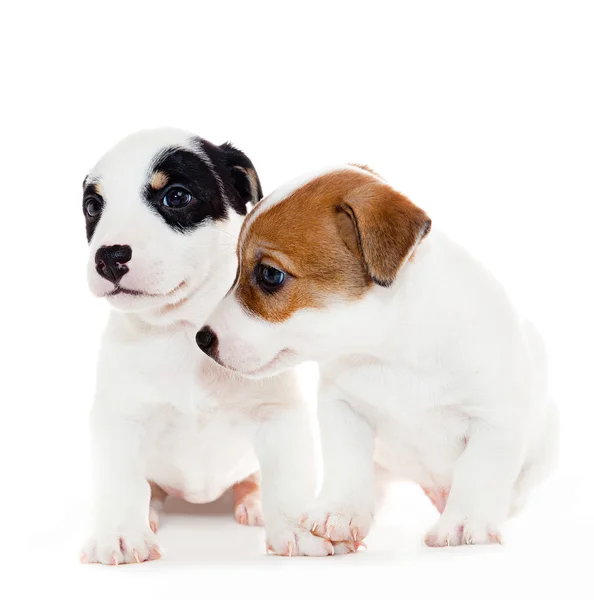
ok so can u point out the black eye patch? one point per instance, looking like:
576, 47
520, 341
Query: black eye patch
186, 171
92, 207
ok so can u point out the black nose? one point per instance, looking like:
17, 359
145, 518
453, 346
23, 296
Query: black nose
207, 340
110, 262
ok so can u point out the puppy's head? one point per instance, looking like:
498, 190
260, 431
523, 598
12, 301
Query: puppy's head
160, 209
308, 254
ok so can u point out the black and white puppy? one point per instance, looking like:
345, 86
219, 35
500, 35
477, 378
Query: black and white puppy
163, 210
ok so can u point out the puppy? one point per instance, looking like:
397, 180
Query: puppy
424, 363
163, 210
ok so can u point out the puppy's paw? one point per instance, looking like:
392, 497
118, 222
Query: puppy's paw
248, 501
154, 518
130, 546
295, 541
249, 513
341, 525
461, 532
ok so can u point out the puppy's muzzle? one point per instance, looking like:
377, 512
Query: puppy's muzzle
110, 262
208, 342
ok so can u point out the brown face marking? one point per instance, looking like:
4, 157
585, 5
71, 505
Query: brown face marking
159, 180
334, 237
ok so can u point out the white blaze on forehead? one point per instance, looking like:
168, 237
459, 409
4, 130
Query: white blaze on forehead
136, 152
286, 190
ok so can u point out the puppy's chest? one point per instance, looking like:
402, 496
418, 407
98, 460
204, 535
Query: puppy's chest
197, 455
183, 378
421, 426
198, 436
194, 399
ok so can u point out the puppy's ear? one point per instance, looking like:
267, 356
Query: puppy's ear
387, 229
243, 176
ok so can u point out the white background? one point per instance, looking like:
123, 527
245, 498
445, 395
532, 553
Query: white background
481, 112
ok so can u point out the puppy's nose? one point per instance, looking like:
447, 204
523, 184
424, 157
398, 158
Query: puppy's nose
110, 262
207, 340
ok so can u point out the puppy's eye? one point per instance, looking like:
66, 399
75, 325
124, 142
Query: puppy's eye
177, 197
93, 207
269, 278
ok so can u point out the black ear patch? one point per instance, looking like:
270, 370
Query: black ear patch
237, 172
243, 175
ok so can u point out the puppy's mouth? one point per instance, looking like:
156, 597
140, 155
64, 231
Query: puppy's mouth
118, 289
284, 354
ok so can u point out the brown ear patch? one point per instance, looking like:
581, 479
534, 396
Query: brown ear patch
347, 230
389, 227
333, 237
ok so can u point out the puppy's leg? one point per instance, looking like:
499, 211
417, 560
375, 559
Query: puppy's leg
121, 531
438, 497
482, 482
158, 496
382, 482
541, 460
284, 445
344, 510
247, 501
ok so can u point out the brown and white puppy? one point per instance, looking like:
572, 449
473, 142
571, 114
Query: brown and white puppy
424, 363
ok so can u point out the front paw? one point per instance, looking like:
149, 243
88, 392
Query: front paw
129, 545
449, 531
340, 524
296, 541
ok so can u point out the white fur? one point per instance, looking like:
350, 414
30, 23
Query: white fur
163, 411
436, 377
